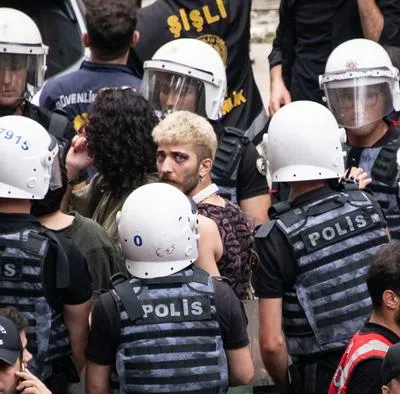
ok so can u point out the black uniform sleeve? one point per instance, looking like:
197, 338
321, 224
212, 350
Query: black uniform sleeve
391, 28
251, 182
276, 271
366, 377
104, 331
79, 289
231, 317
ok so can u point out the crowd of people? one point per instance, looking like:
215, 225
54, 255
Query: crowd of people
136, 211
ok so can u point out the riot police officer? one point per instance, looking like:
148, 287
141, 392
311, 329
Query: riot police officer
46, 278
188, 74
314, 253
362, 87
22, 70
171, 327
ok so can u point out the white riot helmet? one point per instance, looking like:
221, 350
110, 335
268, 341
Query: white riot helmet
22, 56
304, 143
185, 74
27, 153
157, 230
361, 84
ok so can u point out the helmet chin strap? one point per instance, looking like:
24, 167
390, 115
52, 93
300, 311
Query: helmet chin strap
13, 109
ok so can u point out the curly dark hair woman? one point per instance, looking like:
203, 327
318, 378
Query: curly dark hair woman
119, 137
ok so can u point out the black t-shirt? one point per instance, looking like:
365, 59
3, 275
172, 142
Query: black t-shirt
250, 182
313, 29
79, 289
366, 376
105, 333
277, 269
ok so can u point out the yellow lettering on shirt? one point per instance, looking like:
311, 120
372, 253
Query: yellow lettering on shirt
222, 9
175, 26
234, 100
210, 18
238, 98
197, 20
184, 18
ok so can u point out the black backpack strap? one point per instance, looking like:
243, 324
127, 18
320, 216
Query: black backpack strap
385, 166
62, 263
123, 289
229, 152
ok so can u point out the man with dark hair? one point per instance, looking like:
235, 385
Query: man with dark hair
118, 142
359, 369
110, 34
101, 255
391, 371
13, 375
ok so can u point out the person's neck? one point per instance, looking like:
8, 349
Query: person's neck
368, 140
213, 199
15, 206
299, 188
121, 60
385, 321
56, 220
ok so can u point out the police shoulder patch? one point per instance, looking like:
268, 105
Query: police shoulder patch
336, 230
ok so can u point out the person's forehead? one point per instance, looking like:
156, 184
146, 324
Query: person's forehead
175, 148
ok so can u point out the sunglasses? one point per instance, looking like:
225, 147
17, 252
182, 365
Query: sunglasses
120, 88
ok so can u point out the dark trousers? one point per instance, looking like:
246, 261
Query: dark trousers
313, 375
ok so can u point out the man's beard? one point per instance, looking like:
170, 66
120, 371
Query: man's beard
189, 184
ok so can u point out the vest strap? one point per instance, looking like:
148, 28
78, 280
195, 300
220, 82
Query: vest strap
127, 296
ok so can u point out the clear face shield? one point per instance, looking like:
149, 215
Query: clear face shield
168, 92
359, 101
20, 76
55, 170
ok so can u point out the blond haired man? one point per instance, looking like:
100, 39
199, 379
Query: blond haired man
186, 149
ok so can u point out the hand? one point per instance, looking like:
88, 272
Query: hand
360, 176
78, 158
30, 384
279, 96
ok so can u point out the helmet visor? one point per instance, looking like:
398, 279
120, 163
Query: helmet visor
169, 92
18, 76
359, 102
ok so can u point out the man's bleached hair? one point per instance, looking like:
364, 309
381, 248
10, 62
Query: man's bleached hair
183, 127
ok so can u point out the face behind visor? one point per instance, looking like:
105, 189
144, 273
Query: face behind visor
18, 78
168, 92
360, 101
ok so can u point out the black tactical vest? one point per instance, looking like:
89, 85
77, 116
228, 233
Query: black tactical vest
175, 346
380, 163
333, 241
225, 170
22, 255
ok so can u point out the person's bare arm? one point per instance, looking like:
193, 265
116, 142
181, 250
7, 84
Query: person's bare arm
97, 378
210, 246
256, 208
279, 94
240, 365
272, 342
77, 321
372, 19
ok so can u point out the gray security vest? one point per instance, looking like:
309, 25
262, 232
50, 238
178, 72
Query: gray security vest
333, 240
380, 163
225, 170
22, 255
176, 345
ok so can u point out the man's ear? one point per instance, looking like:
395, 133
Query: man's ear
86, 40
391, 300
135, 39
205, 167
